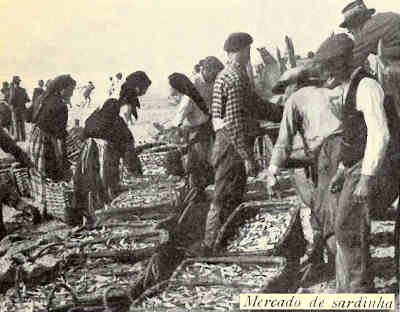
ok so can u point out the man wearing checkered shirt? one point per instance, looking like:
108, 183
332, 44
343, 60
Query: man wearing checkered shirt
235, 110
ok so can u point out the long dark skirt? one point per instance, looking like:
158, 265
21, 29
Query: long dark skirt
201, 172
97, 175
42, 150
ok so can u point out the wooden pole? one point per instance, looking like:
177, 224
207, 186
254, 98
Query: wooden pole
290, 52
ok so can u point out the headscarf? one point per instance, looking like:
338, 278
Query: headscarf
57, 85
54, 88
183, 85
128, 89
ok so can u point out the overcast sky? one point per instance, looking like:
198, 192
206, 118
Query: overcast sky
95, 39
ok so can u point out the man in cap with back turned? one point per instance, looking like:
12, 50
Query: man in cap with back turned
235, 108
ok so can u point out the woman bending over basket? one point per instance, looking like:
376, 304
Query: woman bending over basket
107, 140
47, 141
193, 117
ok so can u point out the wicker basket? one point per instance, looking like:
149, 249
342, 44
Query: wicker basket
23, 181
59, 200
56, 199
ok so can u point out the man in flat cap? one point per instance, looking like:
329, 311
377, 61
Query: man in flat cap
18, 99
235, 108
366, 172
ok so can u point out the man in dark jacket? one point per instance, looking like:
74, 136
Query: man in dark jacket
18, 99
38, 91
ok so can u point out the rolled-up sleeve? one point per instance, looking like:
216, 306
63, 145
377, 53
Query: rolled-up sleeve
370, 99
289, 127
184, 109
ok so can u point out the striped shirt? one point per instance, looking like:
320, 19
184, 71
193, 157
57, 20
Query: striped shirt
236, 108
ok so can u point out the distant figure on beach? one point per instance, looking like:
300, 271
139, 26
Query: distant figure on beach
87, 92
5, 89
5, 113
115, 86
111, 89
38, 91
17, 101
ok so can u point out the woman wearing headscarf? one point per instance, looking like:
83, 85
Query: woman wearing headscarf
107, 140
141, 82
193, 117
47, 143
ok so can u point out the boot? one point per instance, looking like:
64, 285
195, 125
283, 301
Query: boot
287, 280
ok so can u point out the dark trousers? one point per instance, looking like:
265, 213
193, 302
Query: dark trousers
354, 272
201, 173
18, 126
230, 183
339, 216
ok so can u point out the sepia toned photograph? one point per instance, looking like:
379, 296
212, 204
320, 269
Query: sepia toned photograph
175, 155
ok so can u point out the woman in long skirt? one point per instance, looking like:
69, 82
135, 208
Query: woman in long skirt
193, 117
47, 141
107, 141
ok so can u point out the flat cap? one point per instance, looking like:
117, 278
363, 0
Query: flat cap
334, 46
237, 41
